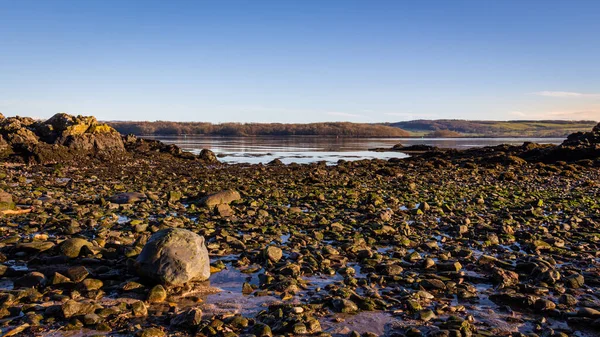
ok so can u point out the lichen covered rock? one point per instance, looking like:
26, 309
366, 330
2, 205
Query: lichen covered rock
60, 138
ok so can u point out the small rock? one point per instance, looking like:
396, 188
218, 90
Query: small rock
274, 254
568, 300
223, 197
157, 294
60, 279
427, 315
151, 332
32, 279
574, 281
588, 312
91, 319
78, 274
73, 308
187, 319
127, 198
449, 266
345, 306
544, 305
224, 210
139, 309
72, 247
91, 284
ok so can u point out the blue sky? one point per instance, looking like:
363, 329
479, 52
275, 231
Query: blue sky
301, 61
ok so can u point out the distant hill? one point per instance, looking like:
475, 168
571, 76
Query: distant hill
472, 128
441, 128
343, 129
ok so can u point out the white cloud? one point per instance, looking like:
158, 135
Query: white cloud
411, 115
565, 94
563, 115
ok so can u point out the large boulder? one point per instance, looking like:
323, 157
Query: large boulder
174, 256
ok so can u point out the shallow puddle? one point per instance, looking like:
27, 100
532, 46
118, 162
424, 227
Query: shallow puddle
230, 298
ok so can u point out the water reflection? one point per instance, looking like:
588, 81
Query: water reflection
330, 149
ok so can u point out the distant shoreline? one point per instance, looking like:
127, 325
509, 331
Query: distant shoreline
434, 129
332, 136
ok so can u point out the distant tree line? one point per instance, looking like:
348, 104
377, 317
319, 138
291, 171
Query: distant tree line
516, 128
344, 129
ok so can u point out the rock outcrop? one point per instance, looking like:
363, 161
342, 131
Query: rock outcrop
62, 137
584, 139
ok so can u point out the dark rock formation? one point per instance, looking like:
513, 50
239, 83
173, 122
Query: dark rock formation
149, 146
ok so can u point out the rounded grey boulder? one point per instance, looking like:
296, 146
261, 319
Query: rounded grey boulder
173, 257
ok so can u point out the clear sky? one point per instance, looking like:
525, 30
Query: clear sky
301, 61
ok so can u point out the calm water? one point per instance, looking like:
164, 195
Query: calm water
330, 149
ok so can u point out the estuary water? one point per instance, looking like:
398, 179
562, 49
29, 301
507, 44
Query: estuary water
303, 149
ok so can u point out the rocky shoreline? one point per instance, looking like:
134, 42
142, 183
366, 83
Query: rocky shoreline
498, 241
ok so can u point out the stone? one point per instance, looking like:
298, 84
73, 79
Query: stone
127, 198
73, 308
60, 279
174, 256
449, 266
16, 331
506, 278
344, 306
544, 305
35, 246
574, 281
157, 294
427, 315
224, 210
588, 312
299, 329
247, 288
223, 197
91, 319
433, 284
262, 330
428, 263
208, 156
139, 309
391, 269
568, 300
72, 247
174, 196
6, 201
273, 254
91, 284
78, 274
313, 326
151, 332
33, 279
187, 319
